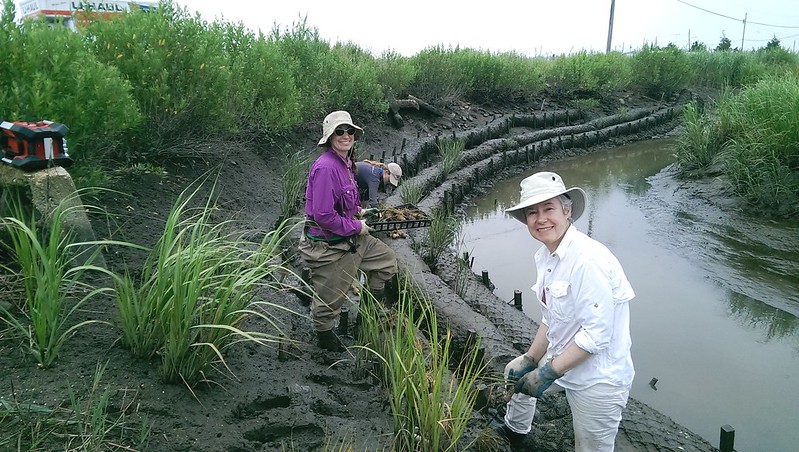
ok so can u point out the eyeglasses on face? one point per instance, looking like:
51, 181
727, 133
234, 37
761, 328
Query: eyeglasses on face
349, 131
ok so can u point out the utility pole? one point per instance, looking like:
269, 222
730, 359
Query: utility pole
744, 32
610, 25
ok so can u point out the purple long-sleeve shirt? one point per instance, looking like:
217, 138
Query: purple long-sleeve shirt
331, 197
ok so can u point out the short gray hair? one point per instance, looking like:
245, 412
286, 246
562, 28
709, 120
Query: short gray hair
566, 203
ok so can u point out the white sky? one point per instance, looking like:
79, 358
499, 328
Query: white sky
529, 27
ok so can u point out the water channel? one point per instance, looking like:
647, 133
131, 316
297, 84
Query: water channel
716, 313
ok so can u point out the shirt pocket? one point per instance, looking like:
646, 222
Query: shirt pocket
561, 306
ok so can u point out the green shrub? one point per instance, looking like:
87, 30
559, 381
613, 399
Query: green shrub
48, 73
179, 72
592, 74
265, 94
660, 72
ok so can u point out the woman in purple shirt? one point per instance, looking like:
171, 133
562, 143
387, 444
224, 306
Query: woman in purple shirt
336, 243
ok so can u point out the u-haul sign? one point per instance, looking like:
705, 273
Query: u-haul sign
67, 7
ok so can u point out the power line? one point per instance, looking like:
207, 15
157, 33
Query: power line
735, 18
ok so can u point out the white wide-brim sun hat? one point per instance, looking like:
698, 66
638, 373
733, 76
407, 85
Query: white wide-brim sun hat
334, 120
543, 186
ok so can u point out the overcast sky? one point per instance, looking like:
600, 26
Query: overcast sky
526, 26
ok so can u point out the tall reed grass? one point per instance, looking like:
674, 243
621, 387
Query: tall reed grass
431, 392
197, 288
51, 266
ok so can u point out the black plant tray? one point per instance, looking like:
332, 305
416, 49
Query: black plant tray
388, 220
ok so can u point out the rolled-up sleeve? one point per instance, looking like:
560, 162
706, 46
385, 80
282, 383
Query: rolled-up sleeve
591, 284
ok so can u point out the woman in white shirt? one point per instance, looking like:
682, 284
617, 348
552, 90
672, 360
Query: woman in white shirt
583, 343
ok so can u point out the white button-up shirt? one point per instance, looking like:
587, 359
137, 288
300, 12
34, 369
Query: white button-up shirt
584, 296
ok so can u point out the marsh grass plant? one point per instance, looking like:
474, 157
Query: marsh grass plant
94, 422
701, 143
758, 127
51, 266
441, 233
295, 167
198, 286
451, 153
431, 386
411, 192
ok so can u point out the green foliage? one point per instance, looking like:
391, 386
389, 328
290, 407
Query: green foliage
51, 266
660, 72
431, 387
762, 124
700, 143
263, 88
196, 289
724, 69
593, 74
48, 73
724, 44
395, 73
451, 153
440, 236
294, 167
411, 192
179, 72
93, 421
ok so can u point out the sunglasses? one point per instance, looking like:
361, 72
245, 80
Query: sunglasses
350, 131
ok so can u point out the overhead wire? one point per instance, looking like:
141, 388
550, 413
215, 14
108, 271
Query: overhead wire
735, 18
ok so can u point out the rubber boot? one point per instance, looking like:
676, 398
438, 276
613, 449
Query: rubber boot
514, 439
329, 341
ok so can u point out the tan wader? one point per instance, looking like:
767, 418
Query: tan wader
334, 268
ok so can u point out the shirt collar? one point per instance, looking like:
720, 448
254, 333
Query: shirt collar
563, 247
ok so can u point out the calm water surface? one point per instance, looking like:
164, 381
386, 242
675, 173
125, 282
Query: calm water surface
717, 293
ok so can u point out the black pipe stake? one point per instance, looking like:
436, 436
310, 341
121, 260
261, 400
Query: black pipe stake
486, 281
344, 322
517, 299
727, 439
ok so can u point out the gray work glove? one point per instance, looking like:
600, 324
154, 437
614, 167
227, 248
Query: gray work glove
518, 367
364, 228
535, 383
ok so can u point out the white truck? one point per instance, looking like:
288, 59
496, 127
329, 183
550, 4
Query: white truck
71, 13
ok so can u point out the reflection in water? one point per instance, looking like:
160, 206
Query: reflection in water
775, 324
717, 294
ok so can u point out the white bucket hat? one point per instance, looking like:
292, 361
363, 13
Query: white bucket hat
543, 186
334, 120
394, 173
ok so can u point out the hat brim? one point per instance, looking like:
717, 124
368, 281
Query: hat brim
393, 180
332, 128
576, 194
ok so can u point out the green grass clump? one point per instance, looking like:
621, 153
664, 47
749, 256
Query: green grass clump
89, 422
51, 266
451, 153
195, 291
431, 387
700, 143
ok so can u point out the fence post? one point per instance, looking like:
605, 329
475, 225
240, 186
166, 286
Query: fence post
517, 299
727, 439
486, 281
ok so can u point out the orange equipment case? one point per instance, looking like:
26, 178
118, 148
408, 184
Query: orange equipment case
32, 146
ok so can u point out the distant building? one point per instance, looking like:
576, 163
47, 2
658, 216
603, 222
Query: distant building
73, 13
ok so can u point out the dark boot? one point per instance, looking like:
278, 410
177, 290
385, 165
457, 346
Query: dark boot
514, 439
329, 341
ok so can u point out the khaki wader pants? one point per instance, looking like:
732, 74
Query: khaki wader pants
334, 268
